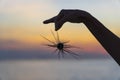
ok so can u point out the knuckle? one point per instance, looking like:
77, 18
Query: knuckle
62, 11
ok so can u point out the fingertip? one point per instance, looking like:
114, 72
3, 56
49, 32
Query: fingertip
56, 29
51, 20
45, 22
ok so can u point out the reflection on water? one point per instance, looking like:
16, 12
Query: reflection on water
103, 69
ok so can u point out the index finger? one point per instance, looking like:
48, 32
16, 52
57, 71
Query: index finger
51, 20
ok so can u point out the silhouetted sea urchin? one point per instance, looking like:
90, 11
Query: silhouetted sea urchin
61, 47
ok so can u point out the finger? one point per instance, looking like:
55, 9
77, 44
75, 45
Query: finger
60, 15
58, 24
49, 20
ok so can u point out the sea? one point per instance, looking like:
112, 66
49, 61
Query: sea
50, 69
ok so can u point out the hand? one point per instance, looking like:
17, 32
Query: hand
74, 16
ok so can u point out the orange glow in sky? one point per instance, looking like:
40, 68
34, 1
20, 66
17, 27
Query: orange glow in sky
21, 23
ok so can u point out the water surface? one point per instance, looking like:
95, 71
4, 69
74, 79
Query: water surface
91, 69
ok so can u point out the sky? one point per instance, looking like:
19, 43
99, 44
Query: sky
21, 23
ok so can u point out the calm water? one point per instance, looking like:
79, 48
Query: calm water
104, 69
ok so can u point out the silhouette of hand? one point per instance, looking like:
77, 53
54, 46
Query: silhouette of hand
74, 16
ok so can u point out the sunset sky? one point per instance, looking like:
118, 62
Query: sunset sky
21, 23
